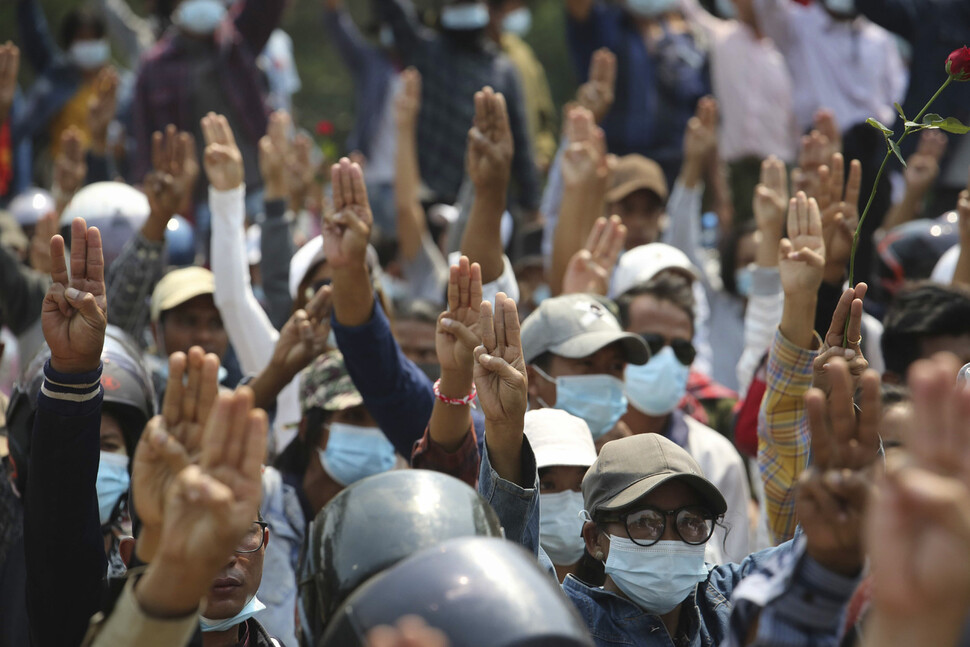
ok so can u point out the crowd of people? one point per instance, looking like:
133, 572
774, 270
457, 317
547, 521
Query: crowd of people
479, 380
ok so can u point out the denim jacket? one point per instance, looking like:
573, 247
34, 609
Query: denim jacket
794, 600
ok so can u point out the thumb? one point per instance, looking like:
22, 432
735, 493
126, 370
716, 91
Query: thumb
784, 249
84, 302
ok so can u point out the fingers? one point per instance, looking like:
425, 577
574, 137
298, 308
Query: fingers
854, 331
837, 327
318, 308
58, 262
797, 213
513, 338
488, 327
172, 403
475, 287
157, 153
257, 429
821, 437
164, 445
602, 68
79, 251
242, 404
465, 336
190, 397
596, 234
464, 279
867, 429
813, 220
837, 178
215, 438
854, 185
499, 323
208, 391
94, 266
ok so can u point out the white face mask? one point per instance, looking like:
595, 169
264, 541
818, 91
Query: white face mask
656, 578
90, 54
465, 17
650, 8
200, 17
560, 526
518, 22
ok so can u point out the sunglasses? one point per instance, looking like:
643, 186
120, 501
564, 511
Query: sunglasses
684, 351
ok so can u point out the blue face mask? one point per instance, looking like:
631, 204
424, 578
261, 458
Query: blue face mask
541, 293
650, 8
597, 399
518, 22
657, 387
560, 526
113, 482
199, 17
743, 280
252, 607
354, 453
656, 578
465, 17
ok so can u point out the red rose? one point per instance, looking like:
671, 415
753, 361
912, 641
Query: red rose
324, 128
958, 64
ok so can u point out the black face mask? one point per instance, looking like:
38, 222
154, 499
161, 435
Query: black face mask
433, 371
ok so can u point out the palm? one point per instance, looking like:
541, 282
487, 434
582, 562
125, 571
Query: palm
502, 396
153, 471
222, 160
799, 275
490, 145
347, 231
452, 353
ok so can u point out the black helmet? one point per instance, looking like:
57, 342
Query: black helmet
375, 523
478, 591
128, 395
910, 251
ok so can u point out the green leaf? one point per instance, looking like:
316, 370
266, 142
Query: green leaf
913, 126
950, 125
878, 126
899, 110
930, 118
895, 148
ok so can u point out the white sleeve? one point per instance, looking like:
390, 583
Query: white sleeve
760, 321
704, 360
684, 229
775, 20
251, 333
946, 267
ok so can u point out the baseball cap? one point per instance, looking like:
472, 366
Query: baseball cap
577, 325
628, 469
326, 384
634, 172
559, 438
642, 263
179, 286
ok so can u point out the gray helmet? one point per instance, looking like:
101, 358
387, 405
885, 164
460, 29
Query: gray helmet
128, 395
30, 205
375, 523
478, 591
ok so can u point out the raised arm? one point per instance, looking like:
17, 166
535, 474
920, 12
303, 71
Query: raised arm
488, 164
256, 20
62, 531
35, 34
578, 10
411, 222
961, 275
922, 169
404, 22
350, 43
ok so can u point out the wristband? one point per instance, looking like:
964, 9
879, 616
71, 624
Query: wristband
467, 400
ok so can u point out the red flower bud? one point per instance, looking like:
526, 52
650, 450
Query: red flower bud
958, 64
324, 128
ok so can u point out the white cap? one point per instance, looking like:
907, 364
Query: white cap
301, 261
559, 438
642, 263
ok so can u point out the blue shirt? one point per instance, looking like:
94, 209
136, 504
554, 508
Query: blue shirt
656, 92
795, 601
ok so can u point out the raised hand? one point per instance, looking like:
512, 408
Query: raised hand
410, 631
302, 172
304, 336
801, 256
838, 201
830, 502
590, 269
40, 243
459, 331
827, 126
175, 169
700, 138
274, 153
407, 103
74, 315
490, 149
597, 94
849, 308
771, 197
102, 107
346, 232
222, 159
171, 441
919, 526
9, 66
923, 166
208, 508
584, 162
816, 150
70, 169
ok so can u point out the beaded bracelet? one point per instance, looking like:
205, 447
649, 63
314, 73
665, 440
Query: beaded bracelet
468, 399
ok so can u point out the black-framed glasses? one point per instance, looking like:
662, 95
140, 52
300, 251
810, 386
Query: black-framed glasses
694, 524
684, 351
253, 540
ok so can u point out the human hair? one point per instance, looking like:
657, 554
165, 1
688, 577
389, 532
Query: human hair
891, 394
922, 311
728, 250
77, 20
419, 310
665, 286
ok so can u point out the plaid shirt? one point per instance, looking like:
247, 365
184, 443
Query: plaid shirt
132, 278
784, 440
462, 463
163, 93
453, 70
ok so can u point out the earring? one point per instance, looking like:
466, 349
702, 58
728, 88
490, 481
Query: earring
598, 556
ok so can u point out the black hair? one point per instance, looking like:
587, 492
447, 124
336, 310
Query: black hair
918, 312
543, 360
893, 394
420, 310
665, 286
728, 251
297, 455
77, 20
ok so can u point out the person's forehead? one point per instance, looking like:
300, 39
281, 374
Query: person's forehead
669, 496
650, 315
200, 305
610, 352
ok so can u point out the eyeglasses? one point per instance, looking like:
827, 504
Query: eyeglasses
684, 351
694, 524
253, 540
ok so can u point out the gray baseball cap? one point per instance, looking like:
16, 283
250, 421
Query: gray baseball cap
628, 469
577, 325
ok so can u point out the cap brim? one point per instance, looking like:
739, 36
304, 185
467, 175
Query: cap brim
619, 192
711, 495
635, 350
